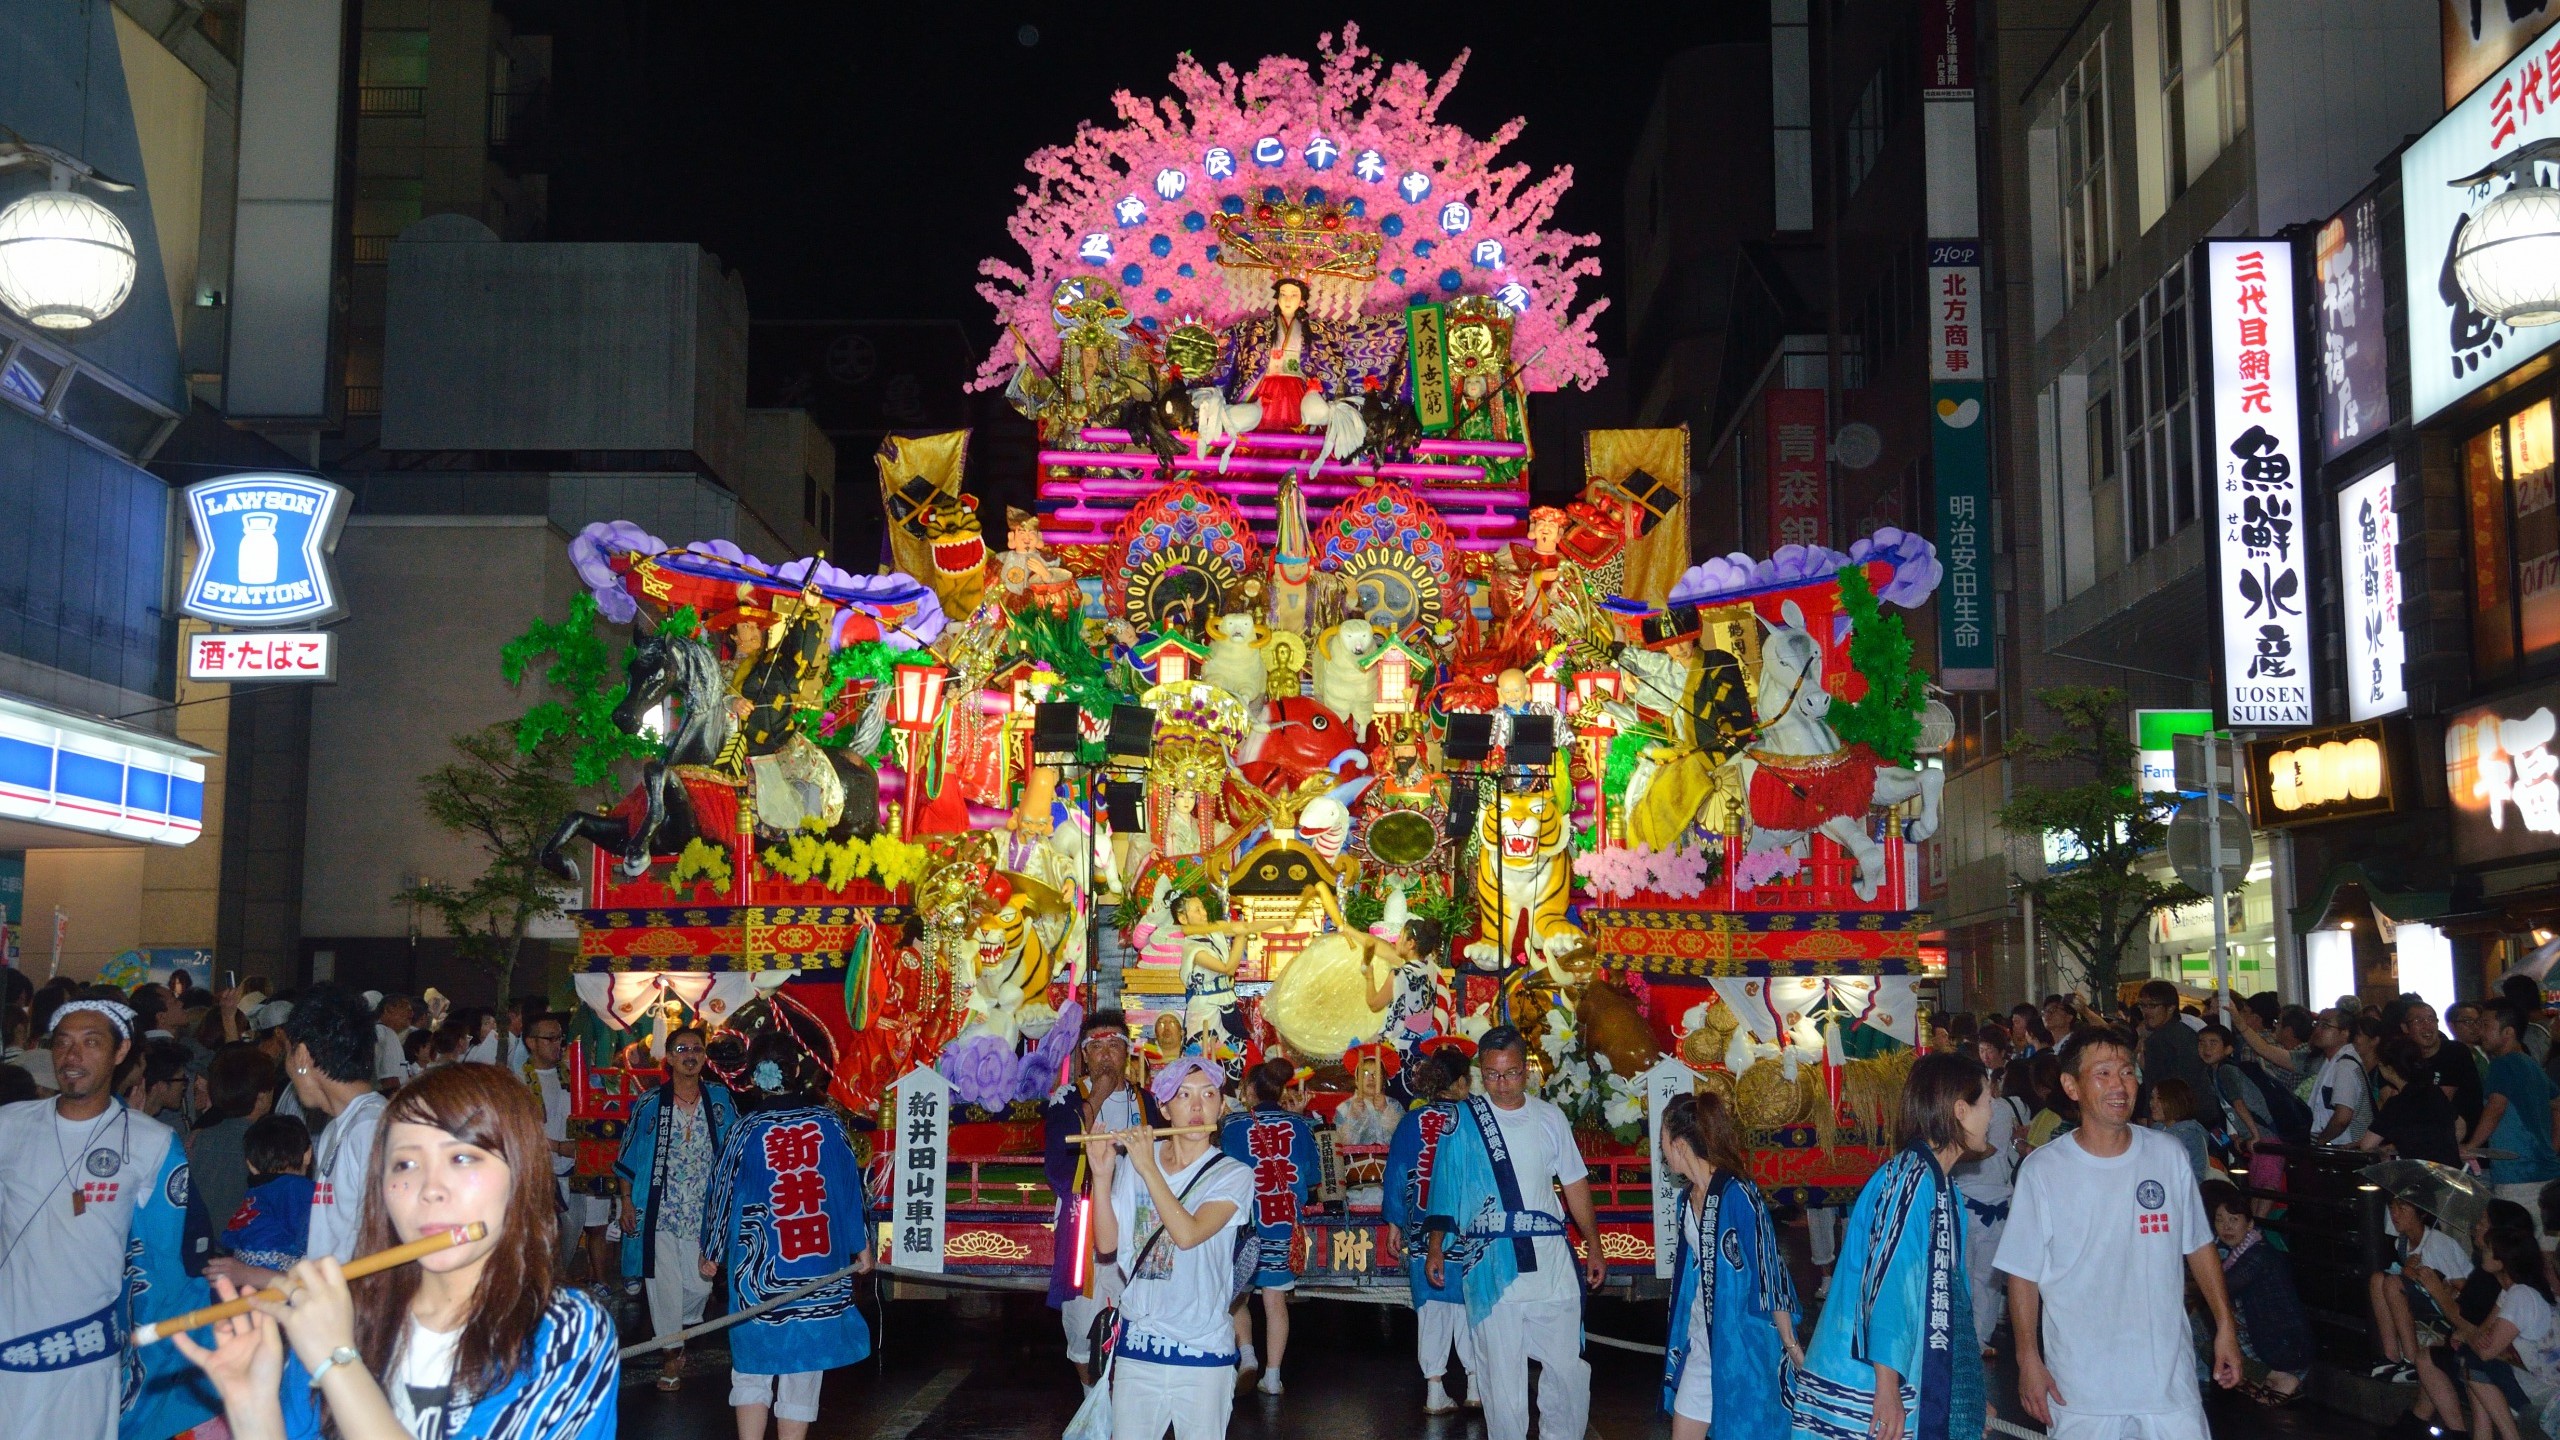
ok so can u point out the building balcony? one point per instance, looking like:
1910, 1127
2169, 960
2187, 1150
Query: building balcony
364, 399
372, 250
517, 116
378, 102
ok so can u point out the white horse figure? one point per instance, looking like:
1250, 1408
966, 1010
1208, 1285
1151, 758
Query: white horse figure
1223, 421
1797, 746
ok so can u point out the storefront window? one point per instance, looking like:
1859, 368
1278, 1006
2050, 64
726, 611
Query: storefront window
2508, 476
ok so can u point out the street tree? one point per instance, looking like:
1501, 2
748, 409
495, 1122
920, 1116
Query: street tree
2096, 898
507, 801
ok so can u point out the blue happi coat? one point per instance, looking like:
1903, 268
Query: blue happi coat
645, 1143
568, 1388
1279, 1147
1406, 1203
787, 1207
1747, 1288
163, 1393
1903, 1247
1476, 1200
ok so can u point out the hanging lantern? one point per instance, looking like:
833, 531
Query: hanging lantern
2364, 769
2508, 262
1543, 689
917, 701
66, 261
1937, 727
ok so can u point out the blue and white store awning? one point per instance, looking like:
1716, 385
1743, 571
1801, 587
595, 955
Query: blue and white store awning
76, 773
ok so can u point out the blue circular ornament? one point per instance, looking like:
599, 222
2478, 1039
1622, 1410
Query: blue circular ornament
1132, 274
1315, 194
1163, 296
1424, 248
1450, 280
1274, 194
1356, 207
1195, 222
1161, 245
1231, 204
1146, 322
1184, 270
1396, 276
1392, 226
1213, 252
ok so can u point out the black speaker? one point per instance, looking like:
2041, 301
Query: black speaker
1133, 732
1462, 811
1057, 731
1126, 798
1469, 740
1533, 743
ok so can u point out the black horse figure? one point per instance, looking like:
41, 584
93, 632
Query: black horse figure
659, 667
1393, 433
1152, 420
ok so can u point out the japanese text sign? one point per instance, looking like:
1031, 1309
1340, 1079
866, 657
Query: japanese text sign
2355, 342
2503, 777
1799, 482
262, 550
917, 1129
1968, 632
1955, 310
2369, 594
2262, 590
2454, 349
264, 655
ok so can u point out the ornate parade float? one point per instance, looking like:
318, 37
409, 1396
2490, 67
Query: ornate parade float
1284, 650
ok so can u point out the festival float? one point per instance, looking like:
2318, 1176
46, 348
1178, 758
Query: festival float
1283, 651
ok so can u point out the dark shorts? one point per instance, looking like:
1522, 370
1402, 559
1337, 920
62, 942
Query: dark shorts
2499, 1375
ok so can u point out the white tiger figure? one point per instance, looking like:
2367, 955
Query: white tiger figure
1221, 419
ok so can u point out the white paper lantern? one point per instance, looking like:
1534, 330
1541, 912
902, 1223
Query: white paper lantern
2508, 262
66, 261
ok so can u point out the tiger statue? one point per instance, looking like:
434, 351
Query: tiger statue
1017, 939
1523, 881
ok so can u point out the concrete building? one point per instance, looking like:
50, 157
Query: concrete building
2128, 131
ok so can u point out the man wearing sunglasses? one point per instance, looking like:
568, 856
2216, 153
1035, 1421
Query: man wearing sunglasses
1100, 1099
665, 1170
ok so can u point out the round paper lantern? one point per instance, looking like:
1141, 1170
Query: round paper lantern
66, 261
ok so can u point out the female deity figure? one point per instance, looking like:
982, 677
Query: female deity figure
1368, 1117
1287, 361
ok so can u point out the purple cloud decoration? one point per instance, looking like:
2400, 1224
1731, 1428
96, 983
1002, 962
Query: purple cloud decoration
877, 596
1915, 570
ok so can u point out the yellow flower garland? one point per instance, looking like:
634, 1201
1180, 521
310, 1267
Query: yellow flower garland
885, 858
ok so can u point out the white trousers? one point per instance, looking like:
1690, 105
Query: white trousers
1517, 1332
1147, 1399
1822, 1234
1076, 1318
1990, 1287
1439, 1327
677, 1293
793, 1396
2188, 1424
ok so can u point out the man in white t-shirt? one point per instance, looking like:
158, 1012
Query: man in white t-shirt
2337, 1096
391, 1067
1539, 1314
2100, 1226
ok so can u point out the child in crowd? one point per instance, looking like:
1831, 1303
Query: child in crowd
2275, 1330
2511, 1361
273, 1224
2173, 1110
2405, 1296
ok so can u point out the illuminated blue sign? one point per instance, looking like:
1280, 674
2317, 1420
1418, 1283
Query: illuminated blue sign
1414, 186
1455, 217
1370, 166
262, 550
1320, 153
1094, 248
1129, 211
1514, 298
1488, 255
1170, 183
1219, 163
1268, 151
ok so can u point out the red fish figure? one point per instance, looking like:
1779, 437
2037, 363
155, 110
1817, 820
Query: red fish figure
1298, 737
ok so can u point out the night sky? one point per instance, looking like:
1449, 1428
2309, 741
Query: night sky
857, 160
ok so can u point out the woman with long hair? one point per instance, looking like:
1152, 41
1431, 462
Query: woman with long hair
1733, 1306
473, 1342
1898, 1358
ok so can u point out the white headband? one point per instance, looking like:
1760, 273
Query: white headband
120, 1016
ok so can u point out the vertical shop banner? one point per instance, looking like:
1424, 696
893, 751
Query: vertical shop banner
2355, 343
2369, 592
2480, 36
1955, 310
1960, 459
1799, 483
2263, 587
1946, 42
1667, 1081
919, 1134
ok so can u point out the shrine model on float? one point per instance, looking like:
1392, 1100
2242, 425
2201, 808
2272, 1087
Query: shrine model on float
1283, 670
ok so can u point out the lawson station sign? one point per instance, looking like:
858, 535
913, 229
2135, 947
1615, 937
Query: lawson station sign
262, 550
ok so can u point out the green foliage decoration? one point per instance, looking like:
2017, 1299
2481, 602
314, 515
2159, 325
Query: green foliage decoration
1887, 718
578, 670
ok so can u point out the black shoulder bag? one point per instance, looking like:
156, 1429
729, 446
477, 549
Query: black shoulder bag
1104, 1334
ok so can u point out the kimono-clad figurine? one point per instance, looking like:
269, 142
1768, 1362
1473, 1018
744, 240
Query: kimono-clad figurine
1488, 392
1733, 1306
1098, 370
1903, 1344
1030, 578
1702, 696
786, 1208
